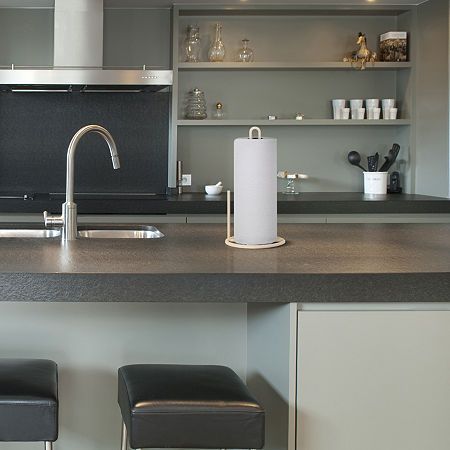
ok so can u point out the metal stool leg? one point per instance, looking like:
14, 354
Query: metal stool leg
48, 445
124, 437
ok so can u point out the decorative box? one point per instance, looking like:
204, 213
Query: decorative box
394, 46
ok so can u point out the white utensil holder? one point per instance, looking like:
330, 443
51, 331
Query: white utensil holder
375, 183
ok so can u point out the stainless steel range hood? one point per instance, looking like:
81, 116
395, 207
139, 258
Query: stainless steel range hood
78, 58
84, 80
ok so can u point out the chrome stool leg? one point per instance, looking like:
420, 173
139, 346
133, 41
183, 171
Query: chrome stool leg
48, 445
124, 445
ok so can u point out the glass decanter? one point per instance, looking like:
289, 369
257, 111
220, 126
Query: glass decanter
217, 50
196, 105
245, 53
192, 44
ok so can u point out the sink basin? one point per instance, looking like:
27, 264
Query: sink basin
88, 231
29, 233
119, 232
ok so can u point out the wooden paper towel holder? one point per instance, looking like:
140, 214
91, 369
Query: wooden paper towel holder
232, 243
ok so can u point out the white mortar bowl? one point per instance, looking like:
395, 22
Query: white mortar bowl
212, 189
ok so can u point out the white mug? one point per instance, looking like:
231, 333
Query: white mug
345, 113
338, 105
374, 113
372, 103
393, 113
358, 113
356, 103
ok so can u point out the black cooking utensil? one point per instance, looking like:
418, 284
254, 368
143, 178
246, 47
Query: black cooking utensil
354, 158
372, 162
390, 158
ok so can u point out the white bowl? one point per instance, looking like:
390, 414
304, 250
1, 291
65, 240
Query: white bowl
212, 189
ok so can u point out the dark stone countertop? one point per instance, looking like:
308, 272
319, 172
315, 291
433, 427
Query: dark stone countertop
198, 203
320, 263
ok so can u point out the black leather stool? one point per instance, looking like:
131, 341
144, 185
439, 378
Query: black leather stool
28, 401
183, 406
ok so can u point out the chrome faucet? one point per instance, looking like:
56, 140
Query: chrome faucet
68, 219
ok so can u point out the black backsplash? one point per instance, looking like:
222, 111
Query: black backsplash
36, 128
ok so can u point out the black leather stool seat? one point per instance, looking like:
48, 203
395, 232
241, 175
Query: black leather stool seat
184, 406
28, 400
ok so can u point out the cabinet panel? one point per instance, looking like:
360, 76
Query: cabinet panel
373, 380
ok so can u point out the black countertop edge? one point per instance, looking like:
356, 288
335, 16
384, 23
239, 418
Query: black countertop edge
198, 203
226, 288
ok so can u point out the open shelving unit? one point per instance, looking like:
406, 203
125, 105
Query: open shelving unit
298, 67
317, 65
288, 122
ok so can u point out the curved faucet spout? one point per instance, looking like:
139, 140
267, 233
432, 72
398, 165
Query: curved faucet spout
106, 135
68, 219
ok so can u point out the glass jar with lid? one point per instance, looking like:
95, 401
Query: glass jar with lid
192, 44
196, 105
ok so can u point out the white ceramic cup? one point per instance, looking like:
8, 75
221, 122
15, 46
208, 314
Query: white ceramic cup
373, 113
375, 183
393, 113
338, 105
356, 103
387, 104
358, 113
372, 103
345, 113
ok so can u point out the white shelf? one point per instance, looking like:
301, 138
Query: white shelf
280, 122
332, 65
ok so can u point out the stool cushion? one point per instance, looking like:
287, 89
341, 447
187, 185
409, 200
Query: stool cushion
28, 400
184, 406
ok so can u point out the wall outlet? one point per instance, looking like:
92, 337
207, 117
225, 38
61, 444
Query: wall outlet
186, 179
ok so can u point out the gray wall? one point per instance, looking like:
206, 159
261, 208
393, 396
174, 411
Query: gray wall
432, 99
26, 37
133, 37
90, 341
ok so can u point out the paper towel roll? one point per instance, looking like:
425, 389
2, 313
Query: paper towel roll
255, 191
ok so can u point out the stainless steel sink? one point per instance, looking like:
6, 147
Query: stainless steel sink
119, 232
29, 233
103, 231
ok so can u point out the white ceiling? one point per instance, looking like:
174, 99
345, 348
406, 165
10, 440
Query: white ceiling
168, 3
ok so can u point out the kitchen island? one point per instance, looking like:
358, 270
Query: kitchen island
347, 327
320, 263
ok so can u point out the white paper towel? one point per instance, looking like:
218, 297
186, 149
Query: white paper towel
255, 191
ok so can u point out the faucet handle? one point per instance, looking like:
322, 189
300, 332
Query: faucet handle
53, 221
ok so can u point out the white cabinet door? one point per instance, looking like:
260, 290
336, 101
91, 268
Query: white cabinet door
373, 380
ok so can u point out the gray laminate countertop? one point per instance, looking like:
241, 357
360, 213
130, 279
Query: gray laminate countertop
319, 263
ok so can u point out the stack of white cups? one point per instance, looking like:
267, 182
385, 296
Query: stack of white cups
358, 112
339, 109
356, 107
373, 109
389, 109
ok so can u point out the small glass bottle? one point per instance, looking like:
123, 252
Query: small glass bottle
192, 44
218, 113
217, 50
245, 53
